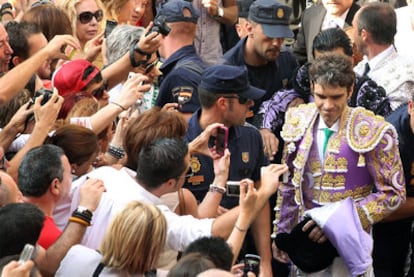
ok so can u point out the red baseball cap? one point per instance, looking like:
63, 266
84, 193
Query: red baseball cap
68, 78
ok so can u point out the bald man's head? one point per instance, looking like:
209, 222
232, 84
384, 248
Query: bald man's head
214, 272
9, 192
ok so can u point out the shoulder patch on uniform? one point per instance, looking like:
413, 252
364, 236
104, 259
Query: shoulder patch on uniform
182, 94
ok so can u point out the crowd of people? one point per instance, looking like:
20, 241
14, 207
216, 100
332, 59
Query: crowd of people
206, 138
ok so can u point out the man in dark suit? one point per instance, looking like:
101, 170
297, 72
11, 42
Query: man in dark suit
328, 14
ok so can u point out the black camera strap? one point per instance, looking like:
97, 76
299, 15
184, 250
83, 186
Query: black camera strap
98, 270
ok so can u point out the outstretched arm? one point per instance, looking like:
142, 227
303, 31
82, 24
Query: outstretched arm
45, 117
15, 80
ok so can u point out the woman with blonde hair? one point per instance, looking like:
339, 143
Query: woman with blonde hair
131, 246
123, 12
87, 25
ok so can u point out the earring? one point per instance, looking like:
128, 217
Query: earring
73, 171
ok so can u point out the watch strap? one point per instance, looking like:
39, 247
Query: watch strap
220, 13
135, 48
135, 63
216, 188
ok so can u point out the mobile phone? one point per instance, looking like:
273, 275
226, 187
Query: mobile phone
221, 139
135, 107
26, 254
233, 188
109, 27
284, 177
132, 74
251, 264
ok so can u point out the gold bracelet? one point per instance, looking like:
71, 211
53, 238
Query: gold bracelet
79, 220
240, 229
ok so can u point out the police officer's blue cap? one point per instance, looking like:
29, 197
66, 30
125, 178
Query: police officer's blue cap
229, 79
173, 11
273, 16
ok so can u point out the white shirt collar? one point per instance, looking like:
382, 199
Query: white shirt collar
378, 58
338, 20
322, 125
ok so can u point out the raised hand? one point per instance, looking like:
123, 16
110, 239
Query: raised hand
91, 193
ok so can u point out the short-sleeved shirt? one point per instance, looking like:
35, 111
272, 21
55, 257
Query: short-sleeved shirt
247, 157
49, 234
180, 80
271, 77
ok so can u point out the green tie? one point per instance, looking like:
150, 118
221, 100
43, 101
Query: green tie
328, 132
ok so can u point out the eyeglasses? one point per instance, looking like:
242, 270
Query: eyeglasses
242, 100
86, 17
99, 92
149, 66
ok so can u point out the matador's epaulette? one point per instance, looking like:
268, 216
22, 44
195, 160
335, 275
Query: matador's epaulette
365, 130
297, 120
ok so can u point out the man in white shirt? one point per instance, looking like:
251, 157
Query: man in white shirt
375, 28
122, 186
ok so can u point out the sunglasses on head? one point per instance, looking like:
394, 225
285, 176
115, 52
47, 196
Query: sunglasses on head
98, 92
86, 17
41, 2
242, 100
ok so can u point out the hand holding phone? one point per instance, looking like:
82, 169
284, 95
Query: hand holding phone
27, 253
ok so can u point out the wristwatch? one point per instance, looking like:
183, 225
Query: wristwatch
220, 13
135, 48
217, 188
84, 211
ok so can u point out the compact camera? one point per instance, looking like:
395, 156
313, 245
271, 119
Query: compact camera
46, 96
233, 188
160, 26
251, 264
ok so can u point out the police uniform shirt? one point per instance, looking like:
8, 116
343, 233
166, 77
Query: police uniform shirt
395, 236
176, 81
271, 77
247, 157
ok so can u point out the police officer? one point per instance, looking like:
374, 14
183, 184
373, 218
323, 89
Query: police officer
226, 97
270, 65
182, 67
